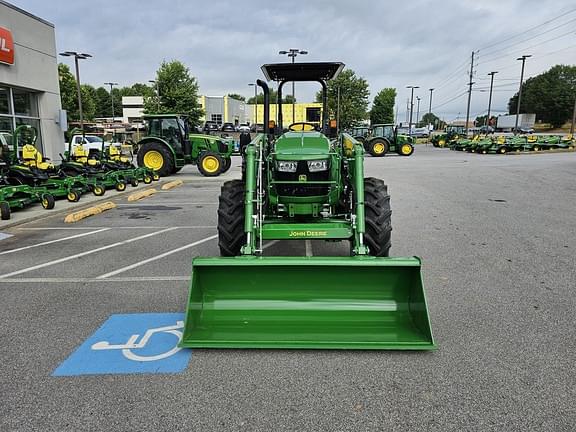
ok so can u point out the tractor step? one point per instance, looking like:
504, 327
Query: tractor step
307, 303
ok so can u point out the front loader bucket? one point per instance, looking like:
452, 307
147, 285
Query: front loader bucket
315, 302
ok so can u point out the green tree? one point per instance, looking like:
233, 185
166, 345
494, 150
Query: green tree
237, 97
383, 106
433, 119
549, 95
103, 103
68, 96
178, 92
273, 98
88, 101
353, 98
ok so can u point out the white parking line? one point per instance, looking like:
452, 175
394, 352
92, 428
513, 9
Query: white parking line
87, 280
157, 257
155, 203
53, 241
119, 227
71, 257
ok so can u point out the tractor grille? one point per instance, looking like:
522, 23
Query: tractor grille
303, 189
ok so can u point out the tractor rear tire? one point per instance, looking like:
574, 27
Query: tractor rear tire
378, 217
4, 210
164, 164
231, 235
378, 147
210, 164
226, 164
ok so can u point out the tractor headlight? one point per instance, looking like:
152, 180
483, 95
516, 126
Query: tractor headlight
287, 166
317, 165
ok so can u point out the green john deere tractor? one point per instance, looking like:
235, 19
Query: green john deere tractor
169, 146
384, 138
305, 185
360, 133
449, 137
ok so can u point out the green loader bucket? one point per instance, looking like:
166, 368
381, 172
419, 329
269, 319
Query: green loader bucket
313, 302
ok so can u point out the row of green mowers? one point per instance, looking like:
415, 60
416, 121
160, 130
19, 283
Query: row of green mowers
516, 143
27, 177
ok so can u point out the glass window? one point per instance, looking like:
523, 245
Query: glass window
5, 124
25, 103
35, 123
5, 101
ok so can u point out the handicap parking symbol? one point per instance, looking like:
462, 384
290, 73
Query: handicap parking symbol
131, 344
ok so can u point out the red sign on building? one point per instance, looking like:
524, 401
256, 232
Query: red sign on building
6, 46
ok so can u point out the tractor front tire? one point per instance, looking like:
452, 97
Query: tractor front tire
231, 235
210, 164
378, 147
406, 149
156, 156
73, 195
378, 217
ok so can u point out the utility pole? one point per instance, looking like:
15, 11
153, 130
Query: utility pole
430, 106
407, 109
523, 58
470, 83
411, 108
78, 56
112, 84
418, 110
490, 98
573, 119
255, 104
293, 52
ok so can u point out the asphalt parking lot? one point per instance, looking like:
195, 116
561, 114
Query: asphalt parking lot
497, 235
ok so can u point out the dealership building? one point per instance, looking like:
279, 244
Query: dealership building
29, 86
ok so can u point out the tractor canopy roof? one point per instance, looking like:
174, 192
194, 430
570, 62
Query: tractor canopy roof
383, 124
302, 71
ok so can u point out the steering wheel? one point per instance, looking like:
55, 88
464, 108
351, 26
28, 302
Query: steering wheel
302, 127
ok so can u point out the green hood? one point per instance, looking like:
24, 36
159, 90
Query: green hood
302, 146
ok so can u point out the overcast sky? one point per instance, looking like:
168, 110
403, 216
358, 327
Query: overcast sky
389, 43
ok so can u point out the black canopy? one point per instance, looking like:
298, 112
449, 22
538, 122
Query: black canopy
302, 71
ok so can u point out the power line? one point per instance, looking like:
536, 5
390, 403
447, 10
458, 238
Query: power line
563, 14
530, 38
450, 100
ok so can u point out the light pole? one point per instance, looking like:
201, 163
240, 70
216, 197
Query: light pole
573, 120
417, 110
157, 92
411, 107
112, 84
523, 58
430, 106
490, 98
78, 56
293, 52
255, 104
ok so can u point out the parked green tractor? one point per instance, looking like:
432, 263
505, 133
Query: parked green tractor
359, 133
384, 138
305, 184
169, 146
451, 135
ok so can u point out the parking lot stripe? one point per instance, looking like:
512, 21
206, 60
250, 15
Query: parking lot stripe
121, 227
53, 241
71, 257
157, 257
89, 280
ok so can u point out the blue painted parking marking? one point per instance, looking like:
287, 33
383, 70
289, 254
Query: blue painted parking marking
131, 344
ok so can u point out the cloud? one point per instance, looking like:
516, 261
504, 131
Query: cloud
390, 44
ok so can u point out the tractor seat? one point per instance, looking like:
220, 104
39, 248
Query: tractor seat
80, 154
116, 155
33, 158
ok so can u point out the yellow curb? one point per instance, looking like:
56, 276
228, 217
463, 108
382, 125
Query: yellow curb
90, 211
172, 184
142, 194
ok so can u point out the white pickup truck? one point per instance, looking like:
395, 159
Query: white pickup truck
92, 143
